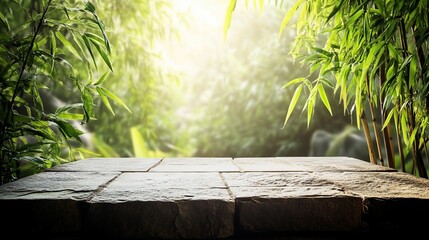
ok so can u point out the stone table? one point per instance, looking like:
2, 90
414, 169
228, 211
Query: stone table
215, 198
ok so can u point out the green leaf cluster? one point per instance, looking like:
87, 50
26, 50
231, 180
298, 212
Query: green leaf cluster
42, 46
373, 54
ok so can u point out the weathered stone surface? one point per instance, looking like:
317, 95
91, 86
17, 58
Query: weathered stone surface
310, 164
56, 185
213, 198
292, 201
108, 165
48, 203
163, 205
274, 179
393, 202
380, 184
196, 165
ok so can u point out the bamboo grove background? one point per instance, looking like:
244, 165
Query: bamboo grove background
342, 62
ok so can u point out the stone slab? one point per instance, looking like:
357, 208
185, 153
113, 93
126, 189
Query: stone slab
310, 164
393, 201
291, 202
196, 165
163, 205
108, 165
212, 198
49, 202
56, 185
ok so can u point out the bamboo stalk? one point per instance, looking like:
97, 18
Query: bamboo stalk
426, 150
374, 124
422, 61
400, 148
386, 132
390, 148
368, 139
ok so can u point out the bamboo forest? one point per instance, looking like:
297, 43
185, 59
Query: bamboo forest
213, 78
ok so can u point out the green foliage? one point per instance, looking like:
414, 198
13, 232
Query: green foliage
373, 54
136, 27
41, 45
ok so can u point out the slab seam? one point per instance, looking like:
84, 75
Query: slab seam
101, 187
238, 166
155, 165
227, 186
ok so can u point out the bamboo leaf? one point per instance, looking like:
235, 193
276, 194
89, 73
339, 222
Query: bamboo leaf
288, 16
413, 137
68, 130
102, 78
404, 127
105, 99
388, 118
67, 44
294, 81
103, 32
70, 116
373, 53
391, 72
40, 43
324, 97
103, 54
230, 10
4, 21
335, 10
112, 96
90, 7
94, 37
353, 18
39, 128
78, 42
310, 108
88, 46
293, 102
88, 105
68, 107
358, 105
322, 51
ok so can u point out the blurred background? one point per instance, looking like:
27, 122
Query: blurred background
194, 91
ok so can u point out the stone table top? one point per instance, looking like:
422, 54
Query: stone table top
214, 198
